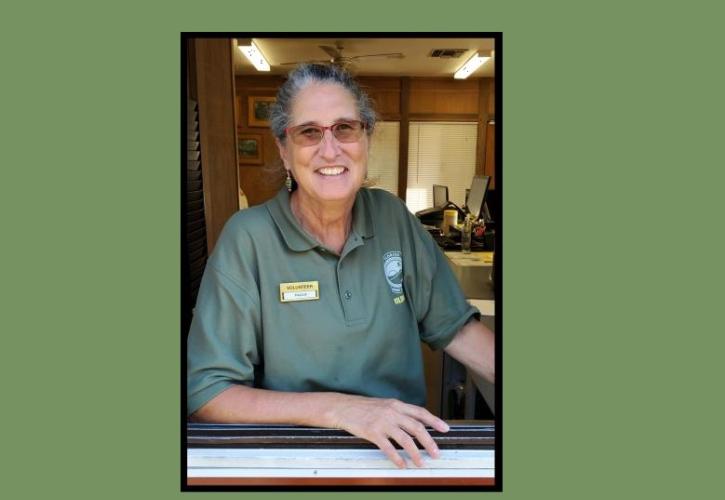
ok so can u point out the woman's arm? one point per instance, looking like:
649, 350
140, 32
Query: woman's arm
475, 347
374, 419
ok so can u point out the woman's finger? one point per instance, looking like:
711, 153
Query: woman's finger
419, 432
390, 451
406, 442
423, 415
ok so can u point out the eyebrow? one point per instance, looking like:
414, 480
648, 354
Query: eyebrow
313, 122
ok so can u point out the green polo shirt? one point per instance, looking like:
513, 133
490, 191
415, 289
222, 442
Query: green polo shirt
278, 310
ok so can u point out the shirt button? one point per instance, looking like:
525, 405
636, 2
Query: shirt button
348, 294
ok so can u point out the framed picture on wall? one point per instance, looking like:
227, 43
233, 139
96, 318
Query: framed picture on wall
259, 110
249, 148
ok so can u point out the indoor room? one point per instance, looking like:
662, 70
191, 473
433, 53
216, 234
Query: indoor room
433, 147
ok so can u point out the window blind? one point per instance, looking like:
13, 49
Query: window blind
383, 157
196, 244
440, 153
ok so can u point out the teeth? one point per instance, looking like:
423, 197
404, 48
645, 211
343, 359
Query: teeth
331, 170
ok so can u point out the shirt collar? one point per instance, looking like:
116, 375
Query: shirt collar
297, 239
362, 222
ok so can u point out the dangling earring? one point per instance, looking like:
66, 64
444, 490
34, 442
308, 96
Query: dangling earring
288, 182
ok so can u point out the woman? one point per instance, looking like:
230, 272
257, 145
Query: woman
313, 305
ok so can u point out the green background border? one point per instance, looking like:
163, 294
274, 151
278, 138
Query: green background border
611, 113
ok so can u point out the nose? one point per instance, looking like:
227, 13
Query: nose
329, 146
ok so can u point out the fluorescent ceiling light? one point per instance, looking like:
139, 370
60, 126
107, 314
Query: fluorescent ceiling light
255, 56
471, 65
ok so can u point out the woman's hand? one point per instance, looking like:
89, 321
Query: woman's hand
380, 420
373, 419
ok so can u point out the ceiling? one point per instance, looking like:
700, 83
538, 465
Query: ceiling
415, 60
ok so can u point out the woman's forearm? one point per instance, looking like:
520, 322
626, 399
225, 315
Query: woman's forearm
245, 405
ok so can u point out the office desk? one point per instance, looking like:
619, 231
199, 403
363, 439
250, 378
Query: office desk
473, 272
272, 456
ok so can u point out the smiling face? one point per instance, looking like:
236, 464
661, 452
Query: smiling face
330, 171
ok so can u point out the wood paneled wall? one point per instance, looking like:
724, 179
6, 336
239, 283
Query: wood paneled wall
214, 84
401, 99
259, 182
385, 93
436, 98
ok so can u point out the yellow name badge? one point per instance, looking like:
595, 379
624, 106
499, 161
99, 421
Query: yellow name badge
296, 292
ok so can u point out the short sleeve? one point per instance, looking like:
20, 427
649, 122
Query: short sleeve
441, 308
223, 343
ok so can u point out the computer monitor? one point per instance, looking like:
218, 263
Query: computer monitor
477, 196
440, 195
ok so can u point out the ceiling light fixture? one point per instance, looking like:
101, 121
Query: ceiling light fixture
471, 65
255, 56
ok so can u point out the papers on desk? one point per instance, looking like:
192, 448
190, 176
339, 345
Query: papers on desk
487, 307
471, 259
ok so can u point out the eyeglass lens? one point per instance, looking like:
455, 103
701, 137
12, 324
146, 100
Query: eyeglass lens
309, 135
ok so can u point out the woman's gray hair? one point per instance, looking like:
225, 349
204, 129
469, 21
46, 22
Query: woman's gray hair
306, 74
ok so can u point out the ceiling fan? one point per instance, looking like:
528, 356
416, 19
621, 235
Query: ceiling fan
347, 62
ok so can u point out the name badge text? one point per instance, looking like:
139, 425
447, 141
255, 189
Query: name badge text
296, 292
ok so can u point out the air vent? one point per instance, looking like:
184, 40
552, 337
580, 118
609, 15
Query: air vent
447, 53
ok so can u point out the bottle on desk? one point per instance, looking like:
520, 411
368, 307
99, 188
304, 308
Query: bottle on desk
450, 218
466, 234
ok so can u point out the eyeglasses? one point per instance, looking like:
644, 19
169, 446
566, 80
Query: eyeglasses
311, 135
